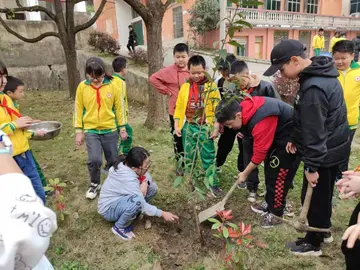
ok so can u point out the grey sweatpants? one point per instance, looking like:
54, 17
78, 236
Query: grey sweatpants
96, 145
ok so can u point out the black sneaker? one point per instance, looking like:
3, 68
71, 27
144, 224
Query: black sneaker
260, 208
216, 191
298, 242
243, 185
269, 221
306, 249
328, 239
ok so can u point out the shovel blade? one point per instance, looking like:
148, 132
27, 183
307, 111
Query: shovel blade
211, 212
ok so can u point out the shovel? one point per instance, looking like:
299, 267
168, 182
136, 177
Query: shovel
220, 206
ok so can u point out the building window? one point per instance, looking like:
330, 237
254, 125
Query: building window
273, 4
354, 6
311, 6
280, 35
229, 3
178, 22
293, 5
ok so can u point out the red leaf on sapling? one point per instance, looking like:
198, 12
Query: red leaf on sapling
233, 233
228, 258
239, 241
220, 214
261, 244
57, 193
227, 214
246, 230
250, 237
249, 246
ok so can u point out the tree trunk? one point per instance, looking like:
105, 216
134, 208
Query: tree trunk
156, 107
71, 65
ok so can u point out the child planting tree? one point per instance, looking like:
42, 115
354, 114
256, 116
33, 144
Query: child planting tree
194, 114
126, 193
268, 122
320, 133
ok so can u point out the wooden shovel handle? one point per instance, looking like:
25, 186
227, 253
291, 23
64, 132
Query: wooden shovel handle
306, 204
227, 196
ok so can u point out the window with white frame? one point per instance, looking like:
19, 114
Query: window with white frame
311, 6
354, 6
293, 5
273, 4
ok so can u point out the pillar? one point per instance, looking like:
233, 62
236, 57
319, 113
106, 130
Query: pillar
33, 16
80, 7
223, 15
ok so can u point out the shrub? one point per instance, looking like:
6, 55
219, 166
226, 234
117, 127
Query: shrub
139, 56
103, 42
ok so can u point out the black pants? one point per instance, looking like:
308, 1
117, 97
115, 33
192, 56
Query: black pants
320, 210
280, 170
178, 145
131, 45
352, 255
252, 182
344, 166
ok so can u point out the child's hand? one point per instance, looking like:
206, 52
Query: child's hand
40, 132
167, 216
240, 135
351, 235
144, 188
79, 138
123, 135
215, 134
178, 131
24, 122
349, 184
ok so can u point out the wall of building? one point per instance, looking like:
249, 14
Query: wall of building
107, 20
330, 7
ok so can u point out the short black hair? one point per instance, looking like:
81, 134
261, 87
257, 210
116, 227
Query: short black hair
119, 63
12, 84
197, 60
344, 46
226, 64
181, 47
238, 67
321, 30
3, 69
95, 67
227, 109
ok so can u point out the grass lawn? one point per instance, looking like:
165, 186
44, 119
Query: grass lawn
84, 240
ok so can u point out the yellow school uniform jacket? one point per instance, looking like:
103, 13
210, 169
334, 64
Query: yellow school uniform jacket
350, 82
211, 100
333, 41
18, 137
318, 42
123, 97
98, 111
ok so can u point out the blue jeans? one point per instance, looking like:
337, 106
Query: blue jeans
125, 210
27, 164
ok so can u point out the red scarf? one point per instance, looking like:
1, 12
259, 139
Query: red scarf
249, 91
142, 179
194, 92
98, 98
9, 110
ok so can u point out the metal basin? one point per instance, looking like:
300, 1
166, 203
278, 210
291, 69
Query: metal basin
52, 129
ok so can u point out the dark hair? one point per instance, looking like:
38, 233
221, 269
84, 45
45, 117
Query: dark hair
3, 69
95, 67
342, 34
12, 84
131, 26
119, 64
196, 60
238, 67
134, 159
344, 46
181, 47
225, 65
321, 29
227, 109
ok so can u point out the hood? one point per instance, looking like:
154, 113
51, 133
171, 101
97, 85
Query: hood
249, 106
321, 66
254, 80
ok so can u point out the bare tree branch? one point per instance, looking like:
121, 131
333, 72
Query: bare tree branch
139, 8
29, 9
18, 3
29, 40
90, 22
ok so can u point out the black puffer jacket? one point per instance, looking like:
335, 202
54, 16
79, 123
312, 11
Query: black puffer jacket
357, 48
321, 131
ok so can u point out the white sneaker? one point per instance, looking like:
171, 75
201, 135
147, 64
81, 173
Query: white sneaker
92, 192
252, 196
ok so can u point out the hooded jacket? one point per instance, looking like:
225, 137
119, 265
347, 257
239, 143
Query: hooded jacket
321, 131
121, 182
168, 82
357, 47
268, 121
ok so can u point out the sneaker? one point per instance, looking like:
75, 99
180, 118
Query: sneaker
288, 210
216, 191
179, 172
269, 221
252, 196
242, 185
125, 233
306, 249
260, 208
298, 242
93, 191
328, 239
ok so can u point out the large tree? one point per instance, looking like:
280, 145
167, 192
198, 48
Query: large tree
152, 13
66, 31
